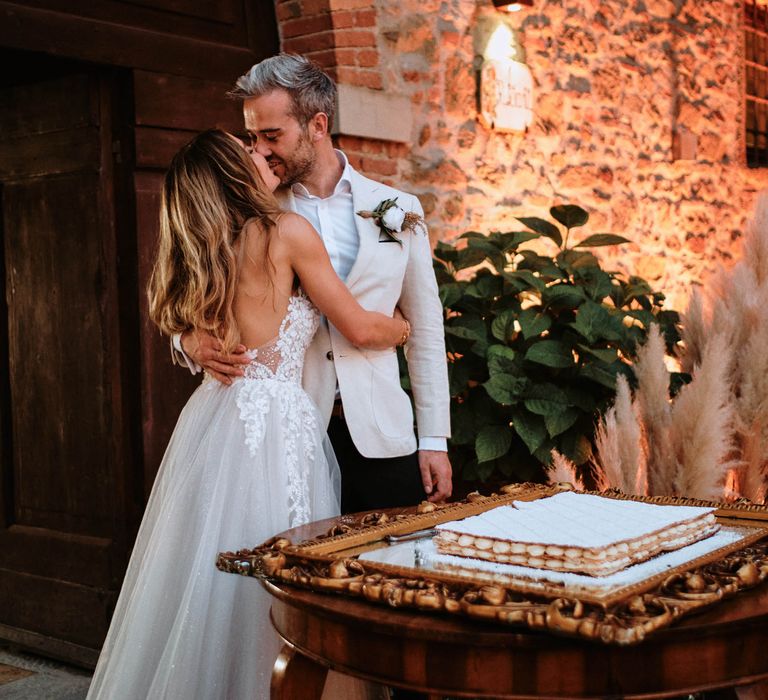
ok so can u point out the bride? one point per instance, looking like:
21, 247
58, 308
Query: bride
245, 461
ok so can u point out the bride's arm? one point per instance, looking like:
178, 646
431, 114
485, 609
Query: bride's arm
309, 259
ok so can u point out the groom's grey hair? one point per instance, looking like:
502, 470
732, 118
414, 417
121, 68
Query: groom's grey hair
310, 88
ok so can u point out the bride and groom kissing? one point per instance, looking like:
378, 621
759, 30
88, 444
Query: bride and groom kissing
279, 273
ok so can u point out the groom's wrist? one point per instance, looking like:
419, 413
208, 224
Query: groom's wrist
433, 444
181, 357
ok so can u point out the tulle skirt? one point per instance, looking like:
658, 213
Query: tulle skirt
181, 628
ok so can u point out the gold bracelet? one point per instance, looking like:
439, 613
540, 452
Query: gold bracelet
406, 333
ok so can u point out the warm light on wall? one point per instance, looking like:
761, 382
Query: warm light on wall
501, 44
505, 84
513, 6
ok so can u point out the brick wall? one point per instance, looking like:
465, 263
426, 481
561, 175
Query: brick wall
341, 35
619, 86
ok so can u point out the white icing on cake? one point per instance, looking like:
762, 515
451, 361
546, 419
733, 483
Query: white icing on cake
575, 532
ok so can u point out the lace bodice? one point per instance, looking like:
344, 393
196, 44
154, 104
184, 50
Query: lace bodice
283, 357
272, 384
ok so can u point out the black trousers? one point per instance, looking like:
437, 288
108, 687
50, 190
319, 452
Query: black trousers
368, 483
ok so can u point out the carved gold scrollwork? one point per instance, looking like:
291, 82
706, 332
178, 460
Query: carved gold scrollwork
626, 622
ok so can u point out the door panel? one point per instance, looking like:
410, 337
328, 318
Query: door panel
59, 387
66, 466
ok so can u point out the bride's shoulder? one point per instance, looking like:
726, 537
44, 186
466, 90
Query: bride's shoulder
294, 229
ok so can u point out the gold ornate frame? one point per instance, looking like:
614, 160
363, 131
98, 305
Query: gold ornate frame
624, 616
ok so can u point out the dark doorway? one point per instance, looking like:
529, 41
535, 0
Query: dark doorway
69, 401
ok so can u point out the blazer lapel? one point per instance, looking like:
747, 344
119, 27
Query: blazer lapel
363, 198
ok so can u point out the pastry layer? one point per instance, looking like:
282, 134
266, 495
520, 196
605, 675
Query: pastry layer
575, 532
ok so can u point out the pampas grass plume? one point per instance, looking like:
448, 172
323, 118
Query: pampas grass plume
701, 426
652, 398
562, 470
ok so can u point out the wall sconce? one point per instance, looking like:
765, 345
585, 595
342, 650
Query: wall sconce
511, 6
504, 81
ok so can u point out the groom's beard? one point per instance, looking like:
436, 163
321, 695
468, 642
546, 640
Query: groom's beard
298, 165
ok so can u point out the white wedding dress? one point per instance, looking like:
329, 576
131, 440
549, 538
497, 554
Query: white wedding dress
245, 462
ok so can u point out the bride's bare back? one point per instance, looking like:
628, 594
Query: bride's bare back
265, 285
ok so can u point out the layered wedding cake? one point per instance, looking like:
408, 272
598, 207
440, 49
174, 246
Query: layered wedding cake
575, 532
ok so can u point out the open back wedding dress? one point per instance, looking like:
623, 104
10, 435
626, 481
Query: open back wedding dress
245, 462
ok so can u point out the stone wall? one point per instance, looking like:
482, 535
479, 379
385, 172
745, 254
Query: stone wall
623, 89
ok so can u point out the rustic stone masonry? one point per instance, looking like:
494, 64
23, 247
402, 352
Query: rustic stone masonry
638, 107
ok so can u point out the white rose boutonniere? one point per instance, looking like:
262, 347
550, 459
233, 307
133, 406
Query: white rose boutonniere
392, 219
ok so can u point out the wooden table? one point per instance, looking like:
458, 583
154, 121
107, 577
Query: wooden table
722, 647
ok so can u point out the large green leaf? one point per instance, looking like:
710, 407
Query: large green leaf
563, 295
545, 399
599, 239
525, 279
468, 257
548, 271
569, 215
466, 327
592, 320
511, 240
480, 348
607, 355
505, 388
485, 287
533, 323
502, 327
595, 321
446, 251
492, 442
490, 251
450, 293
542, 226
501, 359
636, 288
551, 353
557, 423
581, 398
530, 428
576, 260
596, 283
600, 373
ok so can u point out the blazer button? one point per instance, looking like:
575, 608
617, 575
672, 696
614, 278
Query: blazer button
329, 355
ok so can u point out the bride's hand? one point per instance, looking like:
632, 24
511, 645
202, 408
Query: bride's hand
207, 352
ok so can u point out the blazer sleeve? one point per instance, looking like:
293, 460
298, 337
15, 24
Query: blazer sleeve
425, 350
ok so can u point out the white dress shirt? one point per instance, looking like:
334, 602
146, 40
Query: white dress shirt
334, 219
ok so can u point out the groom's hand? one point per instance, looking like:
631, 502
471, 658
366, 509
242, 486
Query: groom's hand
207, 352
435, 474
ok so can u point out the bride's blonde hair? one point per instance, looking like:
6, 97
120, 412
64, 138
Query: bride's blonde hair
211, 192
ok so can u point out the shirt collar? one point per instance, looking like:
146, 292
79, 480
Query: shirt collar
343, 186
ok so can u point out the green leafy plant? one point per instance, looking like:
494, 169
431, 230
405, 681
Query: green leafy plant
535, 343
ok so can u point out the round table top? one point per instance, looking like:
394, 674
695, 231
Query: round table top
721, 646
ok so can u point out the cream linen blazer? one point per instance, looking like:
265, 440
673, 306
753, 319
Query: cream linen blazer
385, 275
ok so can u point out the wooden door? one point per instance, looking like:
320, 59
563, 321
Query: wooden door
68, 398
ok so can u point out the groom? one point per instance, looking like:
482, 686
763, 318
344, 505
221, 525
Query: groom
288, 107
